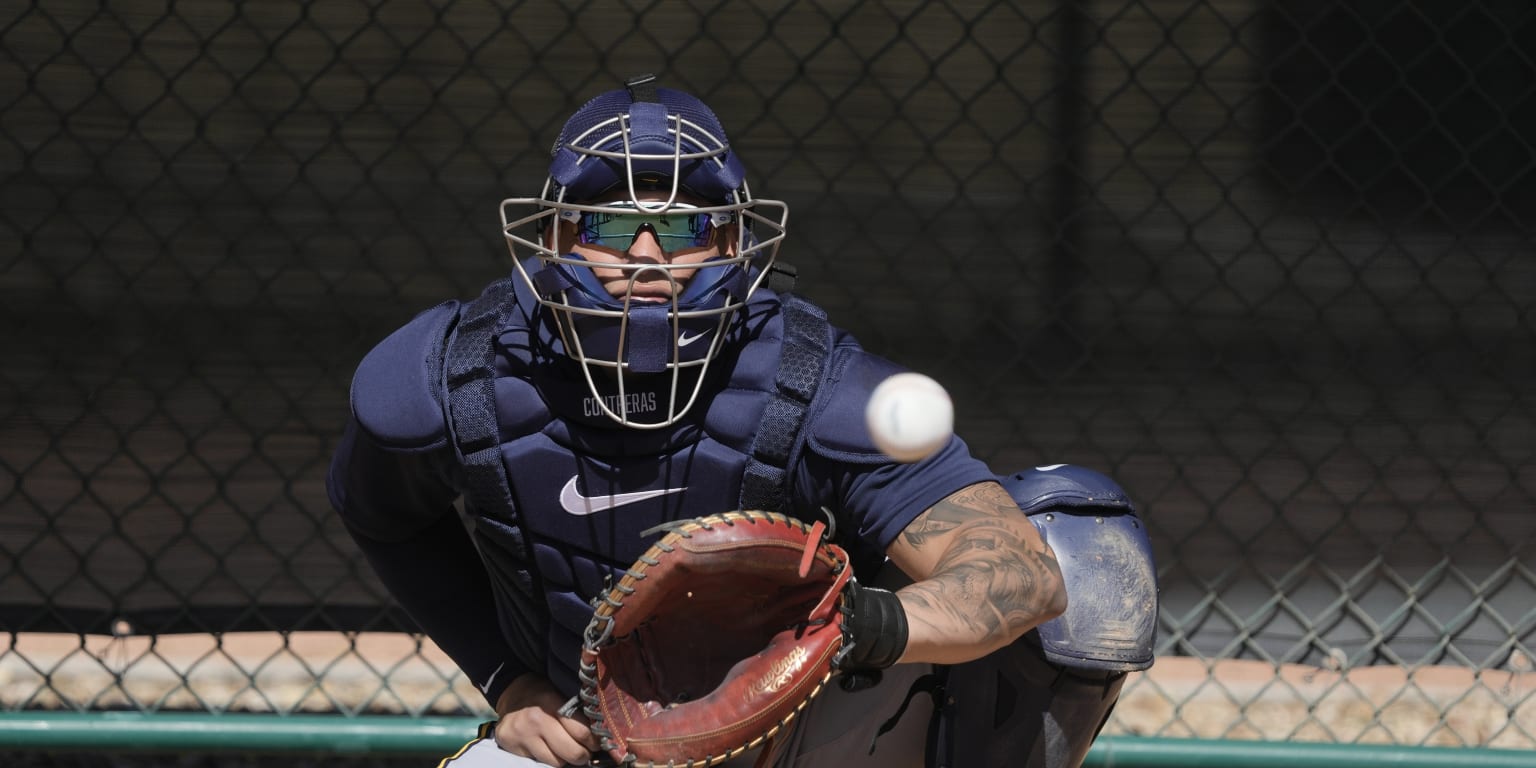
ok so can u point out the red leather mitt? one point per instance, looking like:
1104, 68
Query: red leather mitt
713, 640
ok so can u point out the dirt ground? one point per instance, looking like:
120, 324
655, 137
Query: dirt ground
1178, 697
1428, 706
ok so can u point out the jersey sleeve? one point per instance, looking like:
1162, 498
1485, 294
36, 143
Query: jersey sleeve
386, 493
874, 498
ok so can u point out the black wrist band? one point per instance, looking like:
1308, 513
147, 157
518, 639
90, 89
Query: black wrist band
877, 628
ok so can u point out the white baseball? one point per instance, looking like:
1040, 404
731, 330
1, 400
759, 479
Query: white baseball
909, 416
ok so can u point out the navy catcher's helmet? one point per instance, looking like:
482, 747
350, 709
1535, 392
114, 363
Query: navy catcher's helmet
657, 156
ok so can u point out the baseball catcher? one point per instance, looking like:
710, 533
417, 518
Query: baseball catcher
646, 364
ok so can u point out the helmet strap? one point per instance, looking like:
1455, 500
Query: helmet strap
641, 87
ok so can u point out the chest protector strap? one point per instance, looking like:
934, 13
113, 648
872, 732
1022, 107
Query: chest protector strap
470, 379
469, 376
804, 353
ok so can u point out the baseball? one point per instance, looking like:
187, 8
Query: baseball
909, 416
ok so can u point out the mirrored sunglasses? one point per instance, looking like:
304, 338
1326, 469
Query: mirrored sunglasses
617, 228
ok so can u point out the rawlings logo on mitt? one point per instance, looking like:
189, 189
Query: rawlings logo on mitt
713, 640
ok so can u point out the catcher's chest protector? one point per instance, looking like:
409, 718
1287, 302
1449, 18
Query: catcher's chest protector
561, 495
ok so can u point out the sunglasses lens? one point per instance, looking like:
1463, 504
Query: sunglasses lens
673, 230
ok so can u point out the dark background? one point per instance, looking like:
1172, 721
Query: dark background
1270, 265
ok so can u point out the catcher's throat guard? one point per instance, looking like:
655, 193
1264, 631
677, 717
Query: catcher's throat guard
714, 640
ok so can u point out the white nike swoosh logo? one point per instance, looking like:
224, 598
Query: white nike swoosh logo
486, 689
573, 502
1049, 467
683, 339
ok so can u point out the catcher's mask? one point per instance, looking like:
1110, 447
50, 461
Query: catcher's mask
649, 160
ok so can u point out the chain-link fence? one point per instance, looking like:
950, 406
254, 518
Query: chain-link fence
1269, 264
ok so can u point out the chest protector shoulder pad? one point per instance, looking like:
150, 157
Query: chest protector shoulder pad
396, 392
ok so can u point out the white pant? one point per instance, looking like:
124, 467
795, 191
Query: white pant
834, 731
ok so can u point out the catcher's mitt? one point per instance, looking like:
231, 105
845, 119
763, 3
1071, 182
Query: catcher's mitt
713, 640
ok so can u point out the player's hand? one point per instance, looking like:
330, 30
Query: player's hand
530, 725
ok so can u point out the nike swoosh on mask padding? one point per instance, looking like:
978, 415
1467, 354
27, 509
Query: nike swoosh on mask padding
683, 339
573, 502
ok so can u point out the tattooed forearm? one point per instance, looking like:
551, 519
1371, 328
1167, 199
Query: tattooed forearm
994, 579
991, 595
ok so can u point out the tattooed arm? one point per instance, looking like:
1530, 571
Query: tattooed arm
982, 576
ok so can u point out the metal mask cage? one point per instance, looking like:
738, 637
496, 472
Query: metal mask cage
755, 245
649, 154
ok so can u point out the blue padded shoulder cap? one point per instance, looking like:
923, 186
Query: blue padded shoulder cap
1065, 485
835, 426
396, 392
1106, 564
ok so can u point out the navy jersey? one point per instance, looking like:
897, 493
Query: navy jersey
584, 489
